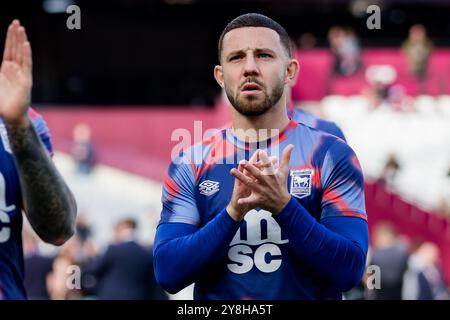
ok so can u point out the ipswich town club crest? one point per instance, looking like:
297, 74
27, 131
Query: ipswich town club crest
301, 182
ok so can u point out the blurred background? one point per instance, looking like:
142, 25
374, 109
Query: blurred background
113, 92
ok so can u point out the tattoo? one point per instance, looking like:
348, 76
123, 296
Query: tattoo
49, 204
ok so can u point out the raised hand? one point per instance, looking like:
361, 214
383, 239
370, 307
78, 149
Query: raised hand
268, 186
15, 76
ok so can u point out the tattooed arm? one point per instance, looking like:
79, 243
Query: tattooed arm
49, 204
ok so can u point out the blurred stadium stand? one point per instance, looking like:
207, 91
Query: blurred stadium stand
162, 52
315, 80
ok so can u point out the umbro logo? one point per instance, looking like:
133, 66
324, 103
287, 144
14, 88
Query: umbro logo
208, 187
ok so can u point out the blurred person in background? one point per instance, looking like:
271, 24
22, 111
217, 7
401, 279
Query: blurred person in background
88, 248
346, 50
37, 267
390, 171
424, 279
417, 48
307, 41
73, 256
29, 179
125, 270
391, 256
83, 149
380, 79
60, 283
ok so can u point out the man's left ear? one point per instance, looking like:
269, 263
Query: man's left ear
292, 71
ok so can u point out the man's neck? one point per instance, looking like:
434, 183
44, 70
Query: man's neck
267, 125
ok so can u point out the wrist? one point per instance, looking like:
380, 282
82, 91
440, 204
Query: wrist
234, 213
284, 200
22, 122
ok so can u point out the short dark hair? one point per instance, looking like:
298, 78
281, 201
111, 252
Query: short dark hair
129, 222
257, 20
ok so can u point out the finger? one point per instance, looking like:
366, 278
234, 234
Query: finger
7, 52
266, 169
264, 157
261, 165
27, 61
250, 200
27, 55
285, 158
240, 168
20, 41
13, 40
275, 163
274, 160
15, 27
253, 170
241, 177
269, 170
254, 158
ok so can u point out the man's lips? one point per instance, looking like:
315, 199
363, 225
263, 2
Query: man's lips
250, 87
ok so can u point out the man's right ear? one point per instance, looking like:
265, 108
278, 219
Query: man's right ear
218, 75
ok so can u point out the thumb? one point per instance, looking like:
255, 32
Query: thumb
285, 158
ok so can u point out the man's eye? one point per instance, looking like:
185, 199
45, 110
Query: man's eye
235, 58
264, 55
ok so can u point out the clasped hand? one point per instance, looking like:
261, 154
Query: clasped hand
260, 182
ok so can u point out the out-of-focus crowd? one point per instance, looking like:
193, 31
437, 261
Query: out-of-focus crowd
400, 268
124, 270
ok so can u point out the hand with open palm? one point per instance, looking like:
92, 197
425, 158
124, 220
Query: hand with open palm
15, 76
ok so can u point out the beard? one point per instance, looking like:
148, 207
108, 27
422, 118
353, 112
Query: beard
251, 106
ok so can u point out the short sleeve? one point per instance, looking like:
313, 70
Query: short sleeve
41, 128
336, 131
330, 127
343, 183
178, 194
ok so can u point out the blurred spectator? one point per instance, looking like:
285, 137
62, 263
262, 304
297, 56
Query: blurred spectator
307, 41
417, 48
443, 206
391, 256
79, 250
37, 267
398, 99
390, 171
87, 248
346, 50
83, 151
58, 280
380, 89
424, 279
125, 270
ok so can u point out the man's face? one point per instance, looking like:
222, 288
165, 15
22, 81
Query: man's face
253, 69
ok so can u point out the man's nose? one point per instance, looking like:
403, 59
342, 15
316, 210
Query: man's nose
250, 67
